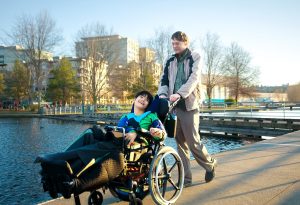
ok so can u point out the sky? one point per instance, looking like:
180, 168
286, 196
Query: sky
268, 29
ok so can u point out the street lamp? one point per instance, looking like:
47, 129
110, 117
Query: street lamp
82, 84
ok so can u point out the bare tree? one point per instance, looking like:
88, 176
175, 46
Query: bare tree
101, 52
161, 44
293, 93
2, 86
241, 75
213, 61
36, 34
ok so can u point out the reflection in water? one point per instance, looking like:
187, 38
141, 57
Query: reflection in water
25, 138
21, 141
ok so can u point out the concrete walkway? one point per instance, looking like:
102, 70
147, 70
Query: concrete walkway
267, 172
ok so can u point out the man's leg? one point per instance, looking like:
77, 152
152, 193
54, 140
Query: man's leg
183, 152
190, 124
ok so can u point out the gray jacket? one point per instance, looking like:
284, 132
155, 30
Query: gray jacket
190, 91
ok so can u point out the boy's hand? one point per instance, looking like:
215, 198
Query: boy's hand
156, 132
130, 137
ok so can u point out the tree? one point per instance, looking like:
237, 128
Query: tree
161, 44
293, 93
18, 82
140, 77
2, 86
241, 75
101, 55
63, 84
36, 35
213, 60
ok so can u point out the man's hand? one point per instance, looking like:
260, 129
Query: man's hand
130, 137
174, 97
156, 132
163, 96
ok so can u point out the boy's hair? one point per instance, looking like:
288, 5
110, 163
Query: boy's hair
180, 36
145, 93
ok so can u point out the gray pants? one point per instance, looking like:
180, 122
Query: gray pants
188, 139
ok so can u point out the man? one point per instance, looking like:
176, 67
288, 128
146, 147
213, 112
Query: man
181, 78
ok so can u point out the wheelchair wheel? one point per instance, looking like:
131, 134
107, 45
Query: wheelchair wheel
95, 198
166, 176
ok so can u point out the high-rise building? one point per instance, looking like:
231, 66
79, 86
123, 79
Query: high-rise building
116, 49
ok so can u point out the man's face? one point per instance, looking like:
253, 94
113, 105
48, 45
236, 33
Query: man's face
179, 46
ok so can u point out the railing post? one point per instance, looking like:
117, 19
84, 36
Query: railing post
283, 110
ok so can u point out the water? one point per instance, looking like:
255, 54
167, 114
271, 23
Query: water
25, 138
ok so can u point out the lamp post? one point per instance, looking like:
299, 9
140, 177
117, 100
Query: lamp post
82, 84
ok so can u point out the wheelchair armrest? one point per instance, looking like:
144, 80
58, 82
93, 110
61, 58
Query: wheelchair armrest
115, 128
144, 133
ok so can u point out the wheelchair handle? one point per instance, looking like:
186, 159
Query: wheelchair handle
173, 104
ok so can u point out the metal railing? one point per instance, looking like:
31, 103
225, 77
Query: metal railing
254, 109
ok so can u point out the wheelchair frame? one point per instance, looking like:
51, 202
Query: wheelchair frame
138, 184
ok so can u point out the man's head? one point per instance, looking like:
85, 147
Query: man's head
180, 42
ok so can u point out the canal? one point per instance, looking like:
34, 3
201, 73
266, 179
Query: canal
22, 139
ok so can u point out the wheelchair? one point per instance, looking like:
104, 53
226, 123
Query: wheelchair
149, 167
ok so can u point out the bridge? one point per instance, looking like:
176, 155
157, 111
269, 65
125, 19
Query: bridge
248, 126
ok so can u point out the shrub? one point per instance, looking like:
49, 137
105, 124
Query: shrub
230, 102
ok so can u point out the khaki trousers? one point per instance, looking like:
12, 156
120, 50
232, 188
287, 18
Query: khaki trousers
188, 139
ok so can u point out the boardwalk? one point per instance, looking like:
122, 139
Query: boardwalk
267, 172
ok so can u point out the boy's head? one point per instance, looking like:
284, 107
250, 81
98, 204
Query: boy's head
180, 42
143, 99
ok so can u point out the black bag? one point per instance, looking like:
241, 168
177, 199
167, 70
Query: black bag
171, 124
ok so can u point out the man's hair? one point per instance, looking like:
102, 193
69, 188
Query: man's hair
145, 93
180, 36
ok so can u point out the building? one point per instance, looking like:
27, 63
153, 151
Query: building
9, 55
118, 50
147, 60
84, 72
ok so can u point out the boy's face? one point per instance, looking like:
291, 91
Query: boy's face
141, 102
179, 46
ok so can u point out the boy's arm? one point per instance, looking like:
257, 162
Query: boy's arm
123, 122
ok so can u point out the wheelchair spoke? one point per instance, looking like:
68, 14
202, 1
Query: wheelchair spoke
162, 176
173, 184
165, 165
173, 166
164, 187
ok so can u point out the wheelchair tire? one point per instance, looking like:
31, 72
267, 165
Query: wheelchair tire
95, 198
164, 190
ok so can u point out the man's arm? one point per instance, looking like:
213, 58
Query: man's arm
194, 79
163, 87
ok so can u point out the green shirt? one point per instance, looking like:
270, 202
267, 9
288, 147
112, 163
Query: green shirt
180, 77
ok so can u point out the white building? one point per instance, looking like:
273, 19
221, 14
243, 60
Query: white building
122, 50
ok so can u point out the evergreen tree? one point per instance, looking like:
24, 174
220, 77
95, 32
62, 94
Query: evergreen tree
63, 84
